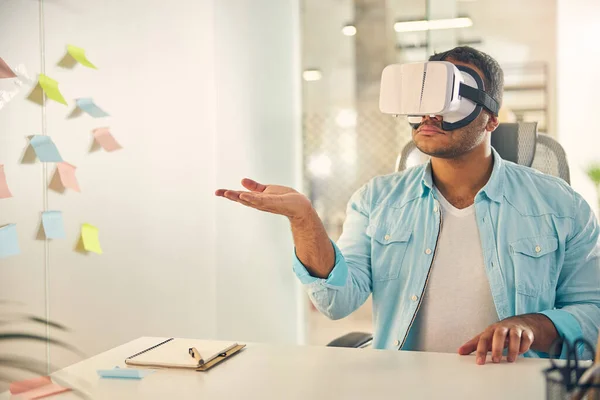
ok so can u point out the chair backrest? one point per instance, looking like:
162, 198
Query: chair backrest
516, 142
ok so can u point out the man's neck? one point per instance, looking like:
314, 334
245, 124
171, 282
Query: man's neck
460, 179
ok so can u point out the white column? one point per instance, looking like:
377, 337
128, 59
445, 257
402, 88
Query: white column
258, 136
444, 39
578, 88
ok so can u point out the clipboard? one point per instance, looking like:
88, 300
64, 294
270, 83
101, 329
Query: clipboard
170, 354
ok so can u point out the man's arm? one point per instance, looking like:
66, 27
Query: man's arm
337, 284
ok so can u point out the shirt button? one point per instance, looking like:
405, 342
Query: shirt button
538, 249
387, 237
428, 251
397, 343
435, 208
414, 297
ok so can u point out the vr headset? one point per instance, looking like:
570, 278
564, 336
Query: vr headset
434, 88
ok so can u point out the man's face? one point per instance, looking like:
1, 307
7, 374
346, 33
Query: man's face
433, 141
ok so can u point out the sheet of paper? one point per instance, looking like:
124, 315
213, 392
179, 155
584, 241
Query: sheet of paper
124, 373
9, 241
29, 384
43, 391
88, 106
5, 71
89, 235
54, 227
4, 190
68, 179
50, 87
106, 139
45, 149
79, 54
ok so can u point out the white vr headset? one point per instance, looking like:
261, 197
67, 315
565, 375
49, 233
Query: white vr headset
434, 88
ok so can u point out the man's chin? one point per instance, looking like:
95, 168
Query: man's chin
435, 151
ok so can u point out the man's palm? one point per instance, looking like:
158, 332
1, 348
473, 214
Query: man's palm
270, 198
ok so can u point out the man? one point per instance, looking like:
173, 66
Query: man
467, 253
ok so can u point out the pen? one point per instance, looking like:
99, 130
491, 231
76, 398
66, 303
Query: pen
196, 355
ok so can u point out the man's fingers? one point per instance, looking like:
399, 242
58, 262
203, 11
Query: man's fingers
499, 342
253, 185
485, 342
514, 344
469, 347
526, 341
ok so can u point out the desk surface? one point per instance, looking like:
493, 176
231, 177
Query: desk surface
294, 372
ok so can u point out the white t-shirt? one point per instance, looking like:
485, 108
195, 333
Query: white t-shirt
457, 303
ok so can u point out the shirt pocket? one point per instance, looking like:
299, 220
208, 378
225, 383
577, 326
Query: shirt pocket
534, 260
388, 248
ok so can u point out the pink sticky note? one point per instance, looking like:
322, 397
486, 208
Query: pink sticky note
106, 139
4, 191
43, 391
29, 384
5, 71
66, 172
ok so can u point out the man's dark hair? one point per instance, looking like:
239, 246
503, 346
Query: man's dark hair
493, 78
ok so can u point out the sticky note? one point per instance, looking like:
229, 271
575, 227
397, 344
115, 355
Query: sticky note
45, 149
5, 71
50, 87
87, 105
67, 176
54, 227
9, 241
4, 190
36, 388
79, 54
124, 373
89, 235
106, 139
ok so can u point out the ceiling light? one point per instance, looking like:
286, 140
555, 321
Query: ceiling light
349, 30
429, 25
310, 75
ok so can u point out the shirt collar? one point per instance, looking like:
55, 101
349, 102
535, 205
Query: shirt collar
493, 189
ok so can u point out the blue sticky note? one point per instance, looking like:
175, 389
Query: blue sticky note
53, 225
124, 373
9, 241
88, 106
45, 149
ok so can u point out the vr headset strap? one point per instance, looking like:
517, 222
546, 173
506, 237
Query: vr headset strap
479, 97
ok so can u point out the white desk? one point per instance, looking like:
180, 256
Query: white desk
308, 373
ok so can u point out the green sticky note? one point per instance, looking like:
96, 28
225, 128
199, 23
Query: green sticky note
50, 87
79, 54
89, 235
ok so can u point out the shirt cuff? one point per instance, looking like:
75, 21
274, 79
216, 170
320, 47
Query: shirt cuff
567, 326
337, 277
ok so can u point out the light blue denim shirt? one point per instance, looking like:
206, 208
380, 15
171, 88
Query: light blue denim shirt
539, 240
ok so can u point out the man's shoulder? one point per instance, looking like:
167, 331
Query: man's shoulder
398, 187
532, 192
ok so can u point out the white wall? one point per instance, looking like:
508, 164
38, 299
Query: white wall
578, 88
195, 108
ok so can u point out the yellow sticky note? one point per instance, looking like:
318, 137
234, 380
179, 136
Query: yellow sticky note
79, 54
50, 87
89, 235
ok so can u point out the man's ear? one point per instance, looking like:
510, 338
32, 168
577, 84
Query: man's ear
492, 123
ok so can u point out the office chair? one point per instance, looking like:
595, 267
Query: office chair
516, 142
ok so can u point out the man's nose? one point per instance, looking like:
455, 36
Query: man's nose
432, 118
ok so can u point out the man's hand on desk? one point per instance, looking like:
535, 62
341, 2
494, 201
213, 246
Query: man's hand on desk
519, 334
270, 198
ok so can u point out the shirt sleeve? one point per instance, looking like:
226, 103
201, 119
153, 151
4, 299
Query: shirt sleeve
349, 284
577, 306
